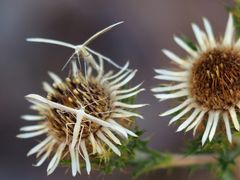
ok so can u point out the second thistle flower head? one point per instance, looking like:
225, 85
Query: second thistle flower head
208, 83
83, 117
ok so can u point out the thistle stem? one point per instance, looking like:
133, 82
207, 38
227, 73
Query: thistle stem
152, 160
178, 160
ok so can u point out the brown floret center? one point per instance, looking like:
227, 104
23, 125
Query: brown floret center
215, 78
77, 92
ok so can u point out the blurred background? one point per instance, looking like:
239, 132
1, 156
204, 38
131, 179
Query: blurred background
149, 27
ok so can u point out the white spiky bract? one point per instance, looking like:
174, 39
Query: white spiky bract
206, 40
111, 131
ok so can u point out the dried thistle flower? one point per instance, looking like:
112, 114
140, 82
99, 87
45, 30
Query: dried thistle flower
208, 83
83, 117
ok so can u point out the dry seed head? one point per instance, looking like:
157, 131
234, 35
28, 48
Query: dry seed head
208, 83
215, 78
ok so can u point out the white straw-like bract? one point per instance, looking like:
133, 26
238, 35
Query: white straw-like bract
208, 98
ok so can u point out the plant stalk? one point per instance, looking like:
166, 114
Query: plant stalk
178, 160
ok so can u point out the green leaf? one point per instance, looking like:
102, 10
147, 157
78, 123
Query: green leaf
235, 10
189, 42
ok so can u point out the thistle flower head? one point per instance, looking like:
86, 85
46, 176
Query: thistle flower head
83, 117
207, 84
